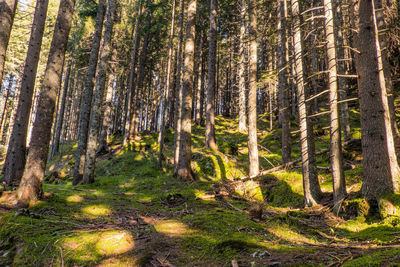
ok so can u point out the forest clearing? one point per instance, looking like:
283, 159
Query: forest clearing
199, 133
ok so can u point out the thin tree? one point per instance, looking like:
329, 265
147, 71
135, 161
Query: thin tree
212, 50
7, 14
339, 183
311, 187
252, 101
87, 95
184, 170
242, 69
96, 112
30, 187
15, 158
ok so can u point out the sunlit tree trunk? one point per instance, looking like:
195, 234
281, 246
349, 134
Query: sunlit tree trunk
30, 187
184, 170
311, 187
242, 69
15, 158
252, 112
87, 96
339, 183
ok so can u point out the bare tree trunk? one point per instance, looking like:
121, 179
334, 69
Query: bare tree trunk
312, 190
283, 85
7, 13
178, 90
87, 95
31, 183
60, 121
15, 159
381, 170
184, 170
210, 109
242, 69
3, 113
252, 113
339, 183
166, 88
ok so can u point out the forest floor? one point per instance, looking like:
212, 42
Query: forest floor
137, 214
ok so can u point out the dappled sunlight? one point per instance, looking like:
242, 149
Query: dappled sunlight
171, 228
284, 232
75, 198
115, 242
96, 210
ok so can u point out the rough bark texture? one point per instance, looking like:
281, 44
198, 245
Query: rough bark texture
60, 120
7, 13
178, 89
210, 106
283, 84
31, 183
15, 158
166, 88
87, 95
311, 187
380, 167
242, 69
339, 184
96, 112
184, 170
252, 112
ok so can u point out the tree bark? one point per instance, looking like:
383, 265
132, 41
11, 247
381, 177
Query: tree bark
31, 183
210, 107
184, 170
311, 187
7, 14
96, 112
380, 168
339, 183
252, 101
242, 69
15, 159
87, 95
283, 85
4, 112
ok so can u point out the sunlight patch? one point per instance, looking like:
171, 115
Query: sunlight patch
115, 243
75, 198
171, 228
97, 210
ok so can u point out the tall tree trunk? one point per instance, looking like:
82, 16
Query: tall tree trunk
60, 121
178, 90
87, 95
165, 97
97, 106
381, 170
131, 82
312, 190
210, 108
242, 69
184, 170
339, 183
252, 112
7, 13
15, 159
31, 183
283, 85
4, 112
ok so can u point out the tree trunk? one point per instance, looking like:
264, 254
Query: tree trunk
339, 183
60, 121
4, 112
184, 170
97, 106
242, 70
31, 183
166, 88
7, 13
15, 159
210, 107
283, 85
87, 95
311, 187
381, 170
252, 112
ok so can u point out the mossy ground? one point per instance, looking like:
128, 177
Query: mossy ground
136, 214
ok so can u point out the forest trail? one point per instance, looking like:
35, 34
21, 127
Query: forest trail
138, 215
